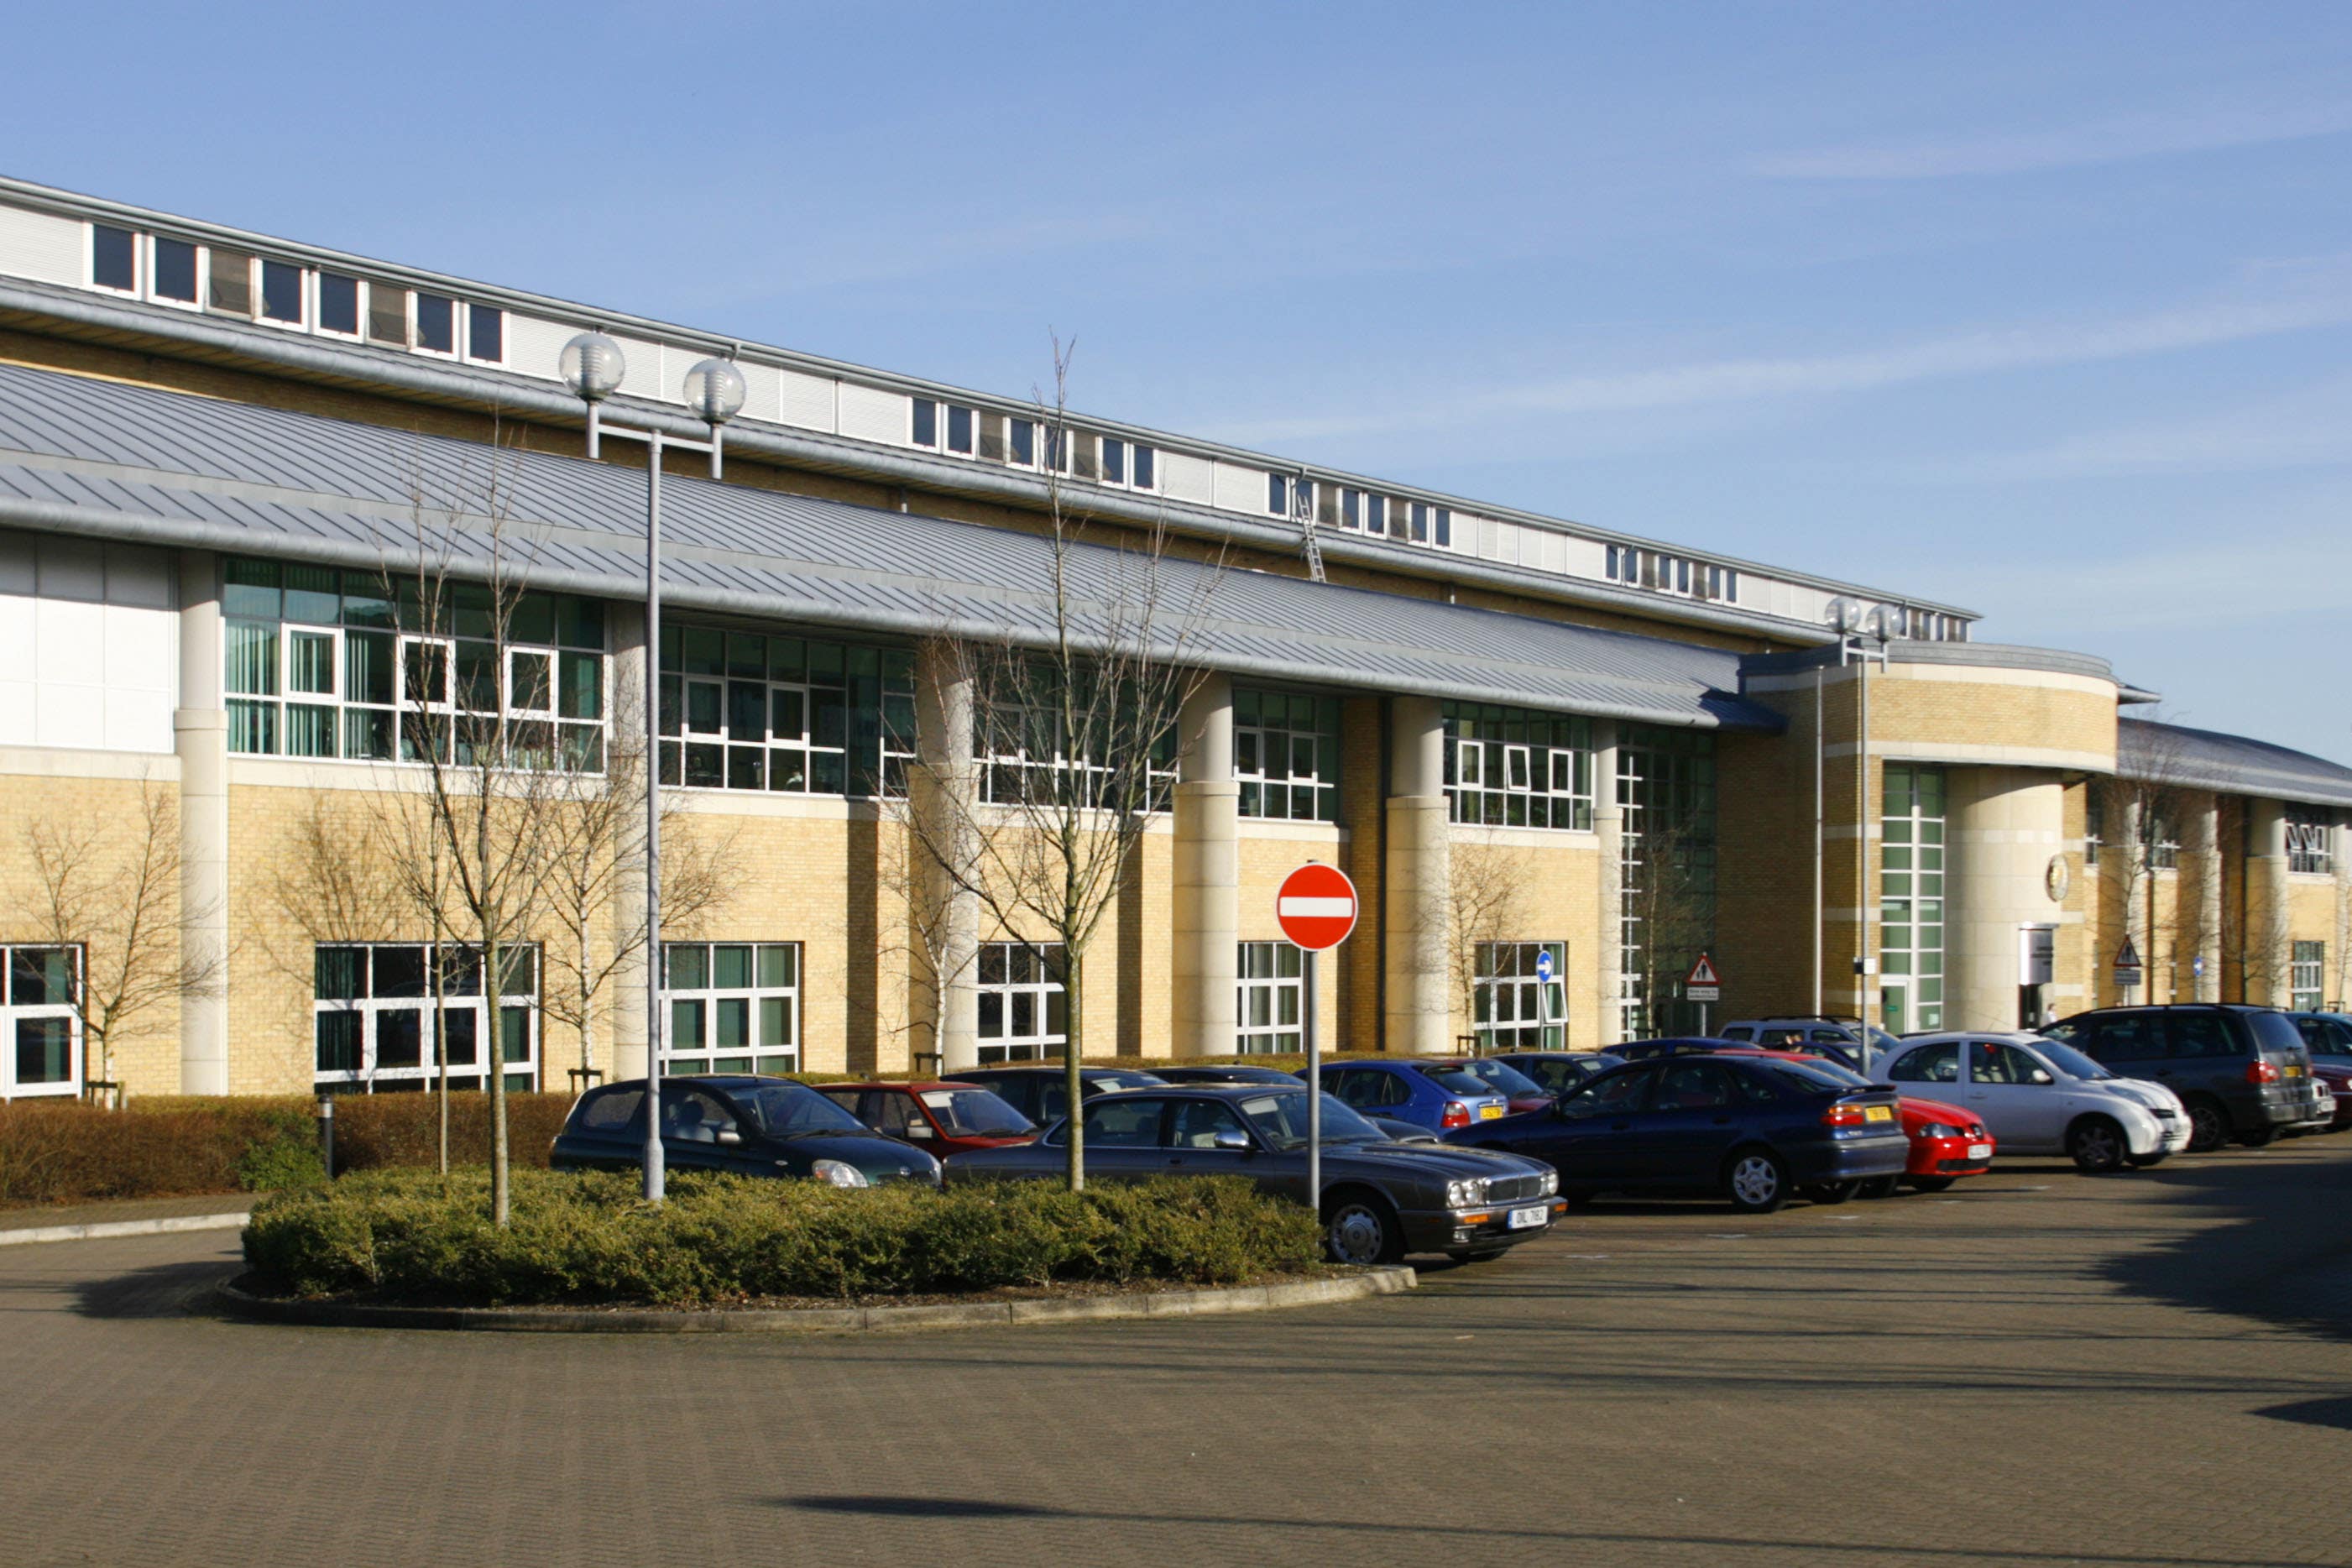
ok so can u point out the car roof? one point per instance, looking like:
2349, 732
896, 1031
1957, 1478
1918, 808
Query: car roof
909, 1084
2015, 1037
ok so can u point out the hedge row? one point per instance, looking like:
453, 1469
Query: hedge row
584, 1238
53, 1153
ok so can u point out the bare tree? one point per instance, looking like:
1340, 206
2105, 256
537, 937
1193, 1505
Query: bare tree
1483, 901
1668, 892
1076, 733
112, 891
2144, 807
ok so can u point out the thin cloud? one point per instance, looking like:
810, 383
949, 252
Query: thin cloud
2312, 429
2080, 146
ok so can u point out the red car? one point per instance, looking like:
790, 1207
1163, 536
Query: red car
944, 1118
1946, 1142
2339, 1083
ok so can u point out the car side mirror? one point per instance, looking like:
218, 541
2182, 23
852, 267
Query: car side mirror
1232, 1139
729, 1136
2040, 1076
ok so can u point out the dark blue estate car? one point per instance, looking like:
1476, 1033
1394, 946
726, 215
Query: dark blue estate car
1753, 1129
751, 1126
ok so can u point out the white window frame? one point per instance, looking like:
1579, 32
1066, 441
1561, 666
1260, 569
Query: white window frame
466, 309
1513, 1010
456, 349
12, 1013
488, 1041
761, 1054
1479, 769
147, 275
315, 294
1269, 994
2310, 841
140, 259
2306, 976
1035, 994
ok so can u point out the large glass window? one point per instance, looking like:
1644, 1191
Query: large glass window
1512, 1008
792, 715
1286, 755
1666, 873
338, 664
734, 1007
1911, 899
40, 1028
1511, 767
1267, 999
1019, 742
1023, 1010
2308, 830
2307, 976
382, 1024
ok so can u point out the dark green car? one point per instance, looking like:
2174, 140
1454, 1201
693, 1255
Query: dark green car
751, 1126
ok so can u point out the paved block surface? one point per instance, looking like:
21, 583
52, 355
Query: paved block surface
2034, 1368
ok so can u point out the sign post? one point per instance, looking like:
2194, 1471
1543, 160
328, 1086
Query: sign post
1702, 986
1543, 995
2128, 970
1316, 906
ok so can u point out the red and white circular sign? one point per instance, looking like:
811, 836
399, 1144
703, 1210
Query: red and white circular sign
1317, 906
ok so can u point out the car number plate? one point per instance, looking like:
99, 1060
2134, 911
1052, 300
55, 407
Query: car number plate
1979, 1151
1524, 1219
1489, 1113
1878, 1113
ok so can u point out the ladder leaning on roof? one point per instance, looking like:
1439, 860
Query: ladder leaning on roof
1302, 504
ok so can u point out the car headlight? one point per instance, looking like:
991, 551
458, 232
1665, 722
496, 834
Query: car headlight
1938, 1130
1551, 1183
1465, 1195
839, 1173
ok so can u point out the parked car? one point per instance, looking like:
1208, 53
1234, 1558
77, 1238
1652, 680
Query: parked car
944, 1118
1752, 1128
2234, 1066
2039, 1096
752, 1126
1222, 1072
1849, 1040
1042, 1093
1424, 1093
1676, 1045
1947, 1141
2338, 1080
1380, 1199
2317, 1107
1520, 1092
1402, 1132
1559, 1071
2327, 1035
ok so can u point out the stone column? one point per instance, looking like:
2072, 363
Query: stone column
1608, 827
624, 1054
200, 737
2339, 965
1420, 1014
942, 789
2267, 979
1207, 875
2203, 926
2004, 824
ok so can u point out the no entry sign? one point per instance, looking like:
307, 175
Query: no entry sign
1317, 906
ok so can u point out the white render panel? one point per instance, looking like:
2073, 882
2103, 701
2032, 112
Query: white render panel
75, 669
811, 402
870, 414
1235, 488
644, 375
535, 345
42, 246
1187, 477
1583, 557
1490, 539
759, 391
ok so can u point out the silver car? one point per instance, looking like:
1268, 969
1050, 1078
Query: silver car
2039, 1096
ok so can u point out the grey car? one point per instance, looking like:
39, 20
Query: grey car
1380, 1199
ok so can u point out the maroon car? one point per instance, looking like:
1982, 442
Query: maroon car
2339, 1083
943, 1118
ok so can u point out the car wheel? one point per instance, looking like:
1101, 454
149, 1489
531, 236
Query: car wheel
2259, 1138
2097, 1146
1880, 1187
1360, 1229
1756, 1181
1831, 1191
1932, 1184
2209, 1127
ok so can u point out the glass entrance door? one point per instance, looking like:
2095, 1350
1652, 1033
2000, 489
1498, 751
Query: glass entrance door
1894, 1006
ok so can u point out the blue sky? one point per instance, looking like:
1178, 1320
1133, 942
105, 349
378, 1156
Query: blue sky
2040, 309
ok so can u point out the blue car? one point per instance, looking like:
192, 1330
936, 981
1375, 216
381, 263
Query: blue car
1755, 1129
1678, 1045
1427, 1094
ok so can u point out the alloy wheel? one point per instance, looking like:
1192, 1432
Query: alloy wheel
1756, 1181
2099, 1148
1357, 1235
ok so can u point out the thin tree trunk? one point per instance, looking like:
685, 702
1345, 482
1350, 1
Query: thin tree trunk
587, 1001
1074, 1046
441, 1048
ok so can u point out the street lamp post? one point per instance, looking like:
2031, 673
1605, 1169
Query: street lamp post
592, 366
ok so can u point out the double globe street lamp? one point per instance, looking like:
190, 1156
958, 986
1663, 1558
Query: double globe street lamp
593, 366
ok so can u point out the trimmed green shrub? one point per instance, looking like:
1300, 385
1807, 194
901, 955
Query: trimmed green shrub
585, 1238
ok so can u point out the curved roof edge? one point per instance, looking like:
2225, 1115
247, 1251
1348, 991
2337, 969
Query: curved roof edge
2233, 764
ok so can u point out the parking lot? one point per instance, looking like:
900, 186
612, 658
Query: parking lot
2035, 1368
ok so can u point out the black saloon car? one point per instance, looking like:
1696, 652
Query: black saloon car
1225, 1072
1752, 1128
751, 1126
1042, 1093
1559, 1071
1380, 1199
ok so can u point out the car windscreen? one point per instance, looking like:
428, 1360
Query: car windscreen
1281, 1120
2072, 1062
975, 1113
1503, 1078
1453, 1080
793, 1110
1119, 1079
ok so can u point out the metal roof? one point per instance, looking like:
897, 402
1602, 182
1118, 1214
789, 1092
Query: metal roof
2234, 765
107, 458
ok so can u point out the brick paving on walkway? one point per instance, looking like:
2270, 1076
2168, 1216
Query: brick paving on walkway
2034, 1368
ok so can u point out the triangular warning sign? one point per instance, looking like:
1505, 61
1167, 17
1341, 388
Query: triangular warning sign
1703, 972
2127, 956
